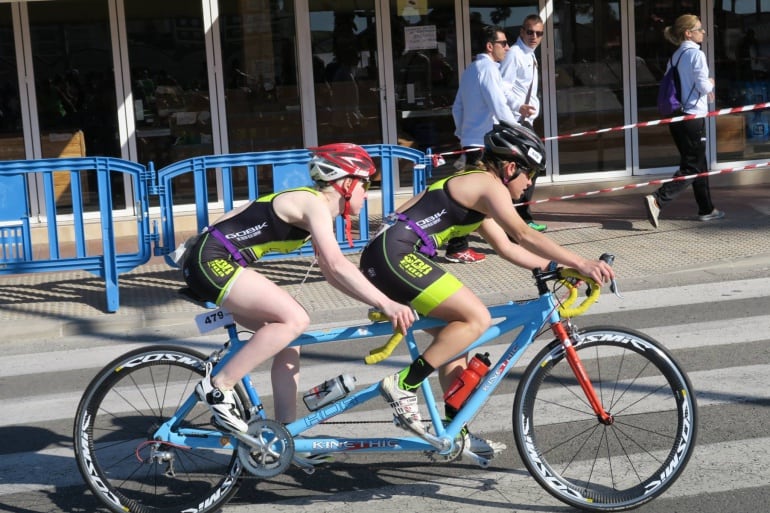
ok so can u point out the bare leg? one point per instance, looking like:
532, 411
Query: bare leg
285, 379
274, 316
467, 318
450, 371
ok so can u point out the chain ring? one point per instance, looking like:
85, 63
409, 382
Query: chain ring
454, 455
276, 453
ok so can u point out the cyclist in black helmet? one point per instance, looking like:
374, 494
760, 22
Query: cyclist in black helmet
400, 259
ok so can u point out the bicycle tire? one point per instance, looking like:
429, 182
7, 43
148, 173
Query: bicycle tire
597, 467
122, 407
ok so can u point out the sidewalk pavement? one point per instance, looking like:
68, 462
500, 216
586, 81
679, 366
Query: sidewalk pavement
47, 306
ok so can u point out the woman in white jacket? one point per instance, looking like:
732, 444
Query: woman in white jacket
697, 90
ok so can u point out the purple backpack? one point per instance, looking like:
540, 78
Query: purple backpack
670, 91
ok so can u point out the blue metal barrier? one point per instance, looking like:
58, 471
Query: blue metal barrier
287, 169
15, 244
105, 262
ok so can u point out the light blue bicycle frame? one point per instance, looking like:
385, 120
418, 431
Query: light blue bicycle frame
529, 314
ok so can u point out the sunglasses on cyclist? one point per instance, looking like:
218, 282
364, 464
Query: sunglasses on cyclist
365, 182
531, 174
538, 33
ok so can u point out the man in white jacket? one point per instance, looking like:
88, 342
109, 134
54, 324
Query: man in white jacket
520, 82
480, 103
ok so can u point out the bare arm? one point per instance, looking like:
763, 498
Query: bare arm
486, 194
312, 214
514, 253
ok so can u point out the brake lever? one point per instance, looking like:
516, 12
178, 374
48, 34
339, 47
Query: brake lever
610, 259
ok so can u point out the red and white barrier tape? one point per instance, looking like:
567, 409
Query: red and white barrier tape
646, 184
713, 113
438, 158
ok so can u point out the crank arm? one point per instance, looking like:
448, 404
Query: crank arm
478, 460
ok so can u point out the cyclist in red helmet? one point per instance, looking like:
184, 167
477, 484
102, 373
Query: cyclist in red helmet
217, 268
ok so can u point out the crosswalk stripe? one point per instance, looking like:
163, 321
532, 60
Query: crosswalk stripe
747, 382
97, 357
715, 467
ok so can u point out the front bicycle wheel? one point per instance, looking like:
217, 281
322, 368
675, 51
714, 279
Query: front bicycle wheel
598, 467
123, 407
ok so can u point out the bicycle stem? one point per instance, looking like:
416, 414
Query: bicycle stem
580, 373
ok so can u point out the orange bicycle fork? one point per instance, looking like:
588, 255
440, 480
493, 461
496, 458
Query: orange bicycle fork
581, 374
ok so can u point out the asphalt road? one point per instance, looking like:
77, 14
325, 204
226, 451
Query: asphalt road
716, 321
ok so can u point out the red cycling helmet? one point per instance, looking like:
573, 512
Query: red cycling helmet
333, 162
340, 160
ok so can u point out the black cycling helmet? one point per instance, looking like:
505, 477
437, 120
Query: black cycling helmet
517, 144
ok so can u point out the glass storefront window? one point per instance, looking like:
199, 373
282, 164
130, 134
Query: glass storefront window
11, 136
72, 55
426, 77
742, 71
168, 79
590, 90
261, 94
656, 148
346, 72
167, 57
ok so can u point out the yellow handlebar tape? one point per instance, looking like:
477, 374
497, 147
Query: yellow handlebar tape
565, 308
382, 352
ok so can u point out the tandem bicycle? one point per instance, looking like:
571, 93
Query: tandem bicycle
604, 418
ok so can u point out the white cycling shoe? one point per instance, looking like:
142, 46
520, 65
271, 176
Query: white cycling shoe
221, 403
481, 447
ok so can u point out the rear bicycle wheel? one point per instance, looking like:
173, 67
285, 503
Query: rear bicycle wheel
121, 409
598, 467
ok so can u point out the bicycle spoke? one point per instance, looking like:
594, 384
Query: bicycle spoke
597, 466
115, 449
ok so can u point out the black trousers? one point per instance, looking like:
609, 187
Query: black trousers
690, 139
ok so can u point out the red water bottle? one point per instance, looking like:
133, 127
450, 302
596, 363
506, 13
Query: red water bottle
467, 381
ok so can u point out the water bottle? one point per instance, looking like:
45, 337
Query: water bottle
329, 391
467, 381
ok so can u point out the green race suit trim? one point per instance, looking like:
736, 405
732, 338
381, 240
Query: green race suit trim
436, 293
280, 246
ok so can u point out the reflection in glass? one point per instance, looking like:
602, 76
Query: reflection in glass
168, 77
261, 94
75, 88
656, 147
345, 72
11, 136
426, 78
169, 84
589, 85
742, 69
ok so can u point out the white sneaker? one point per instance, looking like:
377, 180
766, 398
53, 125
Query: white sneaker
481, 447
404, 404
715, 214
653, 210
221, 403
